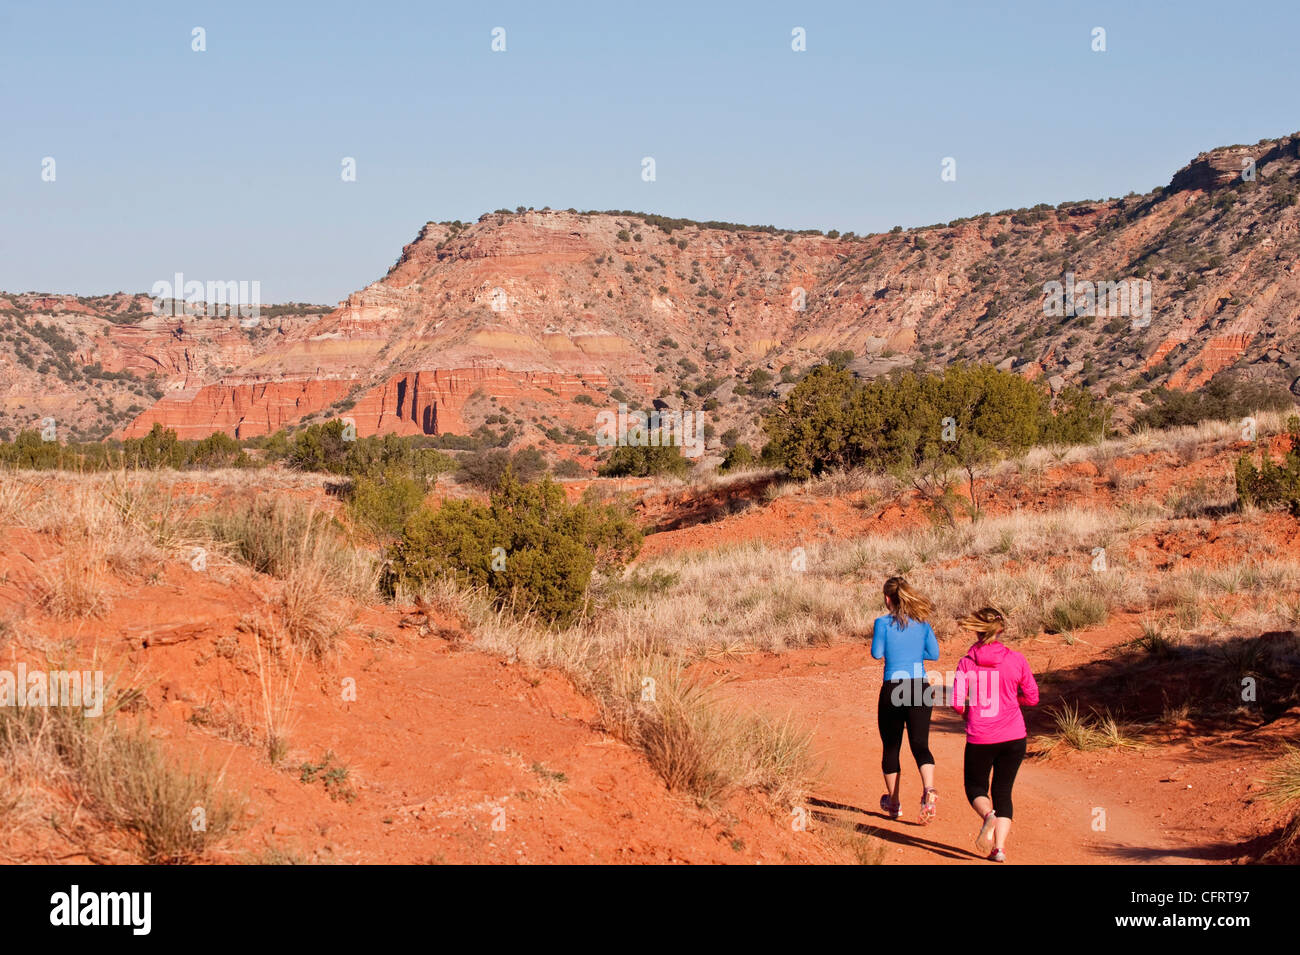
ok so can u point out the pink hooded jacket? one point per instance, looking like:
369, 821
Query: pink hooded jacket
991, 684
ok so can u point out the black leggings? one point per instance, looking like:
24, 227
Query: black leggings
1004, 760
913, 714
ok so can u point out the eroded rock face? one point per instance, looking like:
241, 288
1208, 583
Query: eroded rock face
243, 410
432, 402
1219, 168
539, 316
87, 362
536, 308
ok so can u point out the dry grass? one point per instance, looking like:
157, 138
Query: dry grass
17, 500
1084, 732
77, 586
1208, 437
131, 524
694, 739
865, 848
121, 776
312, 610
756, 597
279, 666
134, 521
320, 570
1283, 786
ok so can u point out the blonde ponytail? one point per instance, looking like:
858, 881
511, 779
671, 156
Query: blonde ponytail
905, 603
986, 623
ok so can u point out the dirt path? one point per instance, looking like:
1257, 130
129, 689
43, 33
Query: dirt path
833, 690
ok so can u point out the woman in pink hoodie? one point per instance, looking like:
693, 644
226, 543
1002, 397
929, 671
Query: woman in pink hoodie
991, 684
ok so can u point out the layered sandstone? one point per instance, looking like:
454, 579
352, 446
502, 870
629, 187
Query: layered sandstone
531, 310
241, 410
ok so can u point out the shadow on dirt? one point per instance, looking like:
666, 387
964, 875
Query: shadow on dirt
894, 836
689, 509
1205, 684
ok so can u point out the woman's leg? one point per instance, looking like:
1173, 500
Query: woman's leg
1005, 767
918, 734
890, 721
976, 763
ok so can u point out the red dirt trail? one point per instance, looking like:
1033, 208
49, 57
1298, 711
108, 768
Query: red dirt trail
1158, 806
441, 740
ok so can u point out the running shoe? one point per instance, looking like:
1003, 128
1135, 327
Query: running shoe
997, 855
929, 806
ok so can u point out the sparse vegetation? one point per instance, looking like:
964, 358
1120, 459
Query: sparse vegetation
528, 547
1271, 484
644, 461
960, 417
120, 775
1100, 730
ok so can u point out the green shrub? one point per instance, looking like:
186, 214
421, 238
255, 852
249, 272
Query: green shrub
218, 450
320, 447
839, 358
831, 421
1272, 485
157, 449
383, 506
569, 468
1076, 418
529, 548
644, 461
738, 459
486, 469
1223, 399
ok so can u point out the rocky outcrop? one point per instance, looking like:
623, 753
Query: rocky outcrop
544, 313
431, 402
1213, 170
241, 410
1223, 167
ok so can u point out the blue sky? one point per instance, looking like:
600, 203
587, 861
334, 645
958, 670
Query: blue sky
225, 164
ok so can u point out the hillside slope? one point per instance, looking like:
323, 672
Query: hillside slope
524, 312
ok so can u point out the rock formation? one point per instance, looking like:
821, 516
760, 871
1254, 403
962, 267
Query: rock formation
538, 316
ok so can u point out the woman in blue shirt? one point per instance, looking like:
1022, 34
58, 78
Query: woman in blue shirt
905, 641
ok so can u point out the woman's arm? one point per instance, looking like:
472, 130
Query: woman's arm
878, 638
959, 689
931, 644
1027, 692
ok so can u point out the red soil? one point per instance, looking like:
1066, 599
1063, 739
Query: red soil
440, 743
442, 740
1194, 798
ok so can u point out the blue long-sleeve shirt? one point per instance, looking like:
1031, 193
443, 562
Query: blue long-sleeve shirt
904, 649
